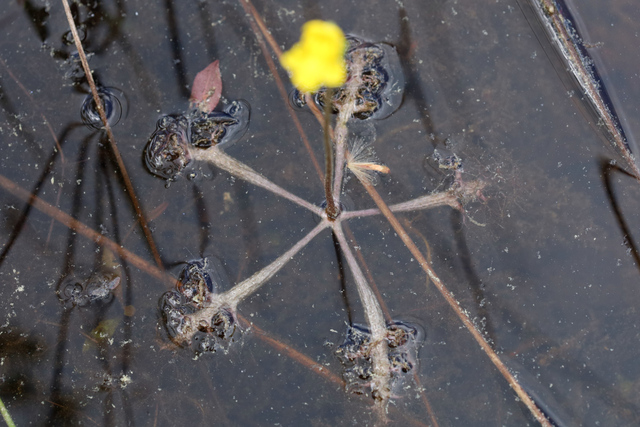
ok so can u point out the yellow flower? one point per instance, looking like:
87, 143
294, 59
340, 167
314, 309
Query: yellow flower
318, 58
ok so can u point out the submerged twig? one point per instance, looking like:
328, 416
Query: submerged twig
112, 140
295, 355
81, 228
257, 24
461, 313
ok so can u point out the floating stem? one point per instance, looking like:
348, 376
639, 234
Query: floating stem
225, 162
381, 383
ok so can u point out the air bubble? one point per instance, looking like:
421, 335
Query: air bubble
114, 103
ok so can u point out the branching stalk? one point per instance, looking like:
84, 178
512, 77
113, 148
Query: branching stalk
242, 290
247, 287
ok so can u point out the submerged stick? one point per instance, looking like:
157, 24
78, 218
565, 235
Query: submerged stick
112, 141
257, 25
461, 313
81, 228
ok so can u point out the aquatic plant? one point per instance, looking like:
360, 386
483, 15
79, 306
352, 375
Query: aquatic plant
189, 316
287, 340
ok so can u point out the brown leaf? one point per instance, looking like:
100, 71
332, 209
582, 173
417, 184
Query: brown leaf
207, 88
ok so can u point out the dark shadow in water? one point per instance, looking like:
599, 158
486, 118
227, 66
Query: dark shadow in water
59, 406
21, 351
413, 88
176, 48
607, 170
343, 288
474, 282
38, 17
58, 400
50, 163
206, 19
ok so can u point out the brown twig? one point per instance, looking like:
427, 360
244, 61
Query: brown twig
89, 233
515, 385
294, 354
249, 9
112, 141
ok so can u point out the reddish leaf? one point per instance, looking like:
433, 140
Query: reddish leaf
207, 88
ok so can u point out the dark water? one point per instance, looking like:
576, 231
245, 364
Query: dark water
550, 273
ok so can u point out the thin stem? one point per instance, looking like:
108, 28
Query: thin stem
112, 140
242, 290
296, 356
81, 228
445, 198
375, 320
249, 8
345, 112
332, 210
257, 24
6, 416
475, 333
219, 158
248, 286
